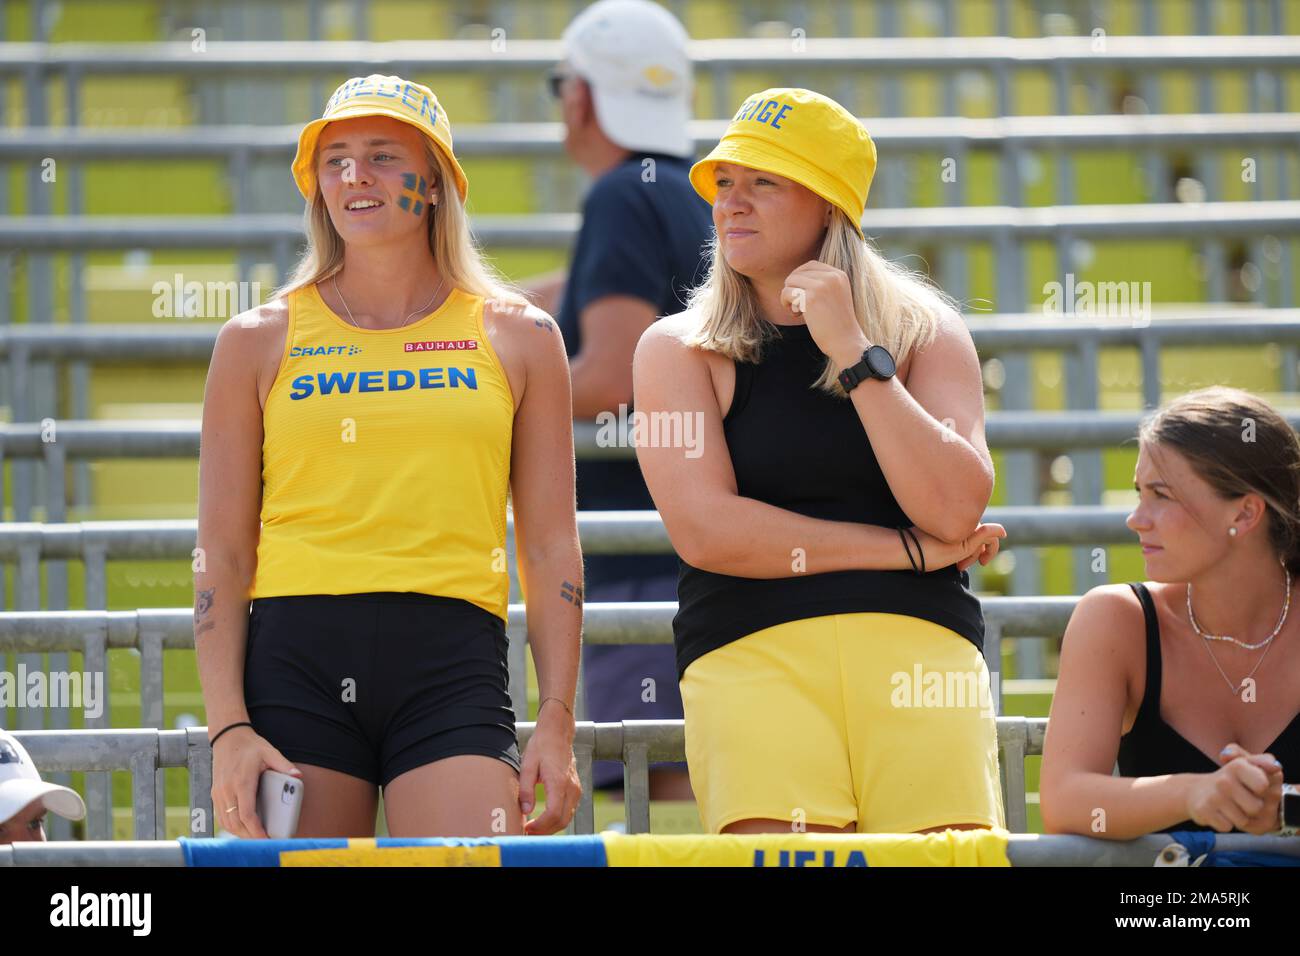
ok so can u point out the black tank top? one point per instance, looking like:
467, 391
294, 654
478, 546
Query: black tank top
798, 448
1152, 748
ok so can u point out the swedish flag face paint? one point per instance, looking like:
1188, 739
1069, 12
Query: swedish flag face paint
414, 191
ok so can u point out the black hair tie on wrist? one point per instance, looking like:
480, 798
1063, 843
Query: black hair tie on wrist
919, 550
242, 723
902, 536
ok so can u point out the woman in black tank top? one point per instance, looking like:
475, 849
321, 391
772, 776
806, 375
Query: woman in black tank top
1196, 696
788, 508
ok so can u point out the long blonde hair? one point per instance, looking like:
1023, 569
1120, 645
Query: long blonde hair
455, 251
896, 307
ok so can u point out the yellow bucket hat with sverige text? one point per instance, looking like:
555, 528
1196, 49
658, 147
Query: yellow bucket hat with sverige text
802, 136
378, 95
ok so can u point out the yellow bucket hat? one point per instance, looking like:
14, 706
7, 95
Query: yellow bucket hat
800, 135
378, 95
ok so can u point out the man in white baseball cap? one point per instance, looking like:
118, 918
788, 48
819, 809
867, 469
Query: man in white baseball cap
24, 797
624, 91
624, 87
632, 55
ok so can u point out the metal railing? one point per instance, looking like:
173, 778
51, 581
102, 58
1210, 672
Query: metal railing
1265, 17
634, 743
1006, 229
1010, 336
1023, 849
31, 632
23, 346
999, 59
56, 444
897, 140
150, 632
94, 543
1002, 56
891, 135
187, 342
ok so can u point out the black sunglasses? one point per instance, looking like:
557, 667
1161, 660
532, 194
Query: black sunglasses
555, 81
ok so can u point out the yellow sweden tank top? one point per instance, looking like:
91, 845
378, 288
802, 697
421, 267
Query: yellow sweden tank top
386, 458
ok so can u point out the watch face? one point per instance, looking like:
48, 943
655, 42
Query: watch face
880, 361
1291, 808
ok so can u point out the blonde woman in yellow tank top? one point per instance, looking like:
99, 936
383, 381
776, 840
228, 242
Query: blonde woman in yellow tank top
361, 434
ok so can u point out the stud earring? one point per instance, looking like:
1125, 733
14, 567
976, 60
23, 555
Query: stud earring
1232, 531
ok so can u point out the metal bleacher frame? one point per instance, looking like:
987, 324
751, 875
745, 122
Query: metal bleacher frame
1022, 849
635, 743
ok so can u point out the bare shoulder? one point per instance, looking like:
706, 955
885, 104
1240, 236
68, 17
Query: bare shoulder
1105, 649
250, 345
675, 327
951, 336
511, 312
514, 319
261, 321
951, 344
666, 339
527, 341
1109, 618
952, 324
257, 335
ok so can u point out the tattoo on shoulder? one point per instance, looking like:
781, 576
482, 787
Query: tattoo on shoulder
546, 324
202, 605
571, 593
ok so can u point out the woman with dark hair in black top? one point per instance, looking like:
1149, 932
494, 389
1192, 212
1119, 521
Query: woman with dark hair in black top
1189, 682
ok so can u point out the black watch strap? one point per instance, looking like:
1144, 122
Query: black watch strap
876, 363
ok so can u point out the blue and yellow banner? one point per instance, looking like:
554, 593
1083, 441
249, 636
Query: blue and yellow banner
950, 848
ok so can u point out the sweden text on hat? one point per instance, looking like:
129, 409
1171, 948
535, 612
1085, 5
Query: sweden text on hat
378, 95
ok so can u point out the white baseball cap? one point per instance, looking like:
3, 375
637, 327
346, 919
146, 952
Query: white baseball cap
20, 784
633, 55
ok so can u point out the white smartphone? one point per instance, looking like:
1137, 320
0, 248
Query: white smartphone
279, 802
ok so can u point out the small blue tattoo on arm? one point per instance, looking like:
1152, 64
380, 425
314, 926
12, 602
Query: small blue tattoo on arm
571, 593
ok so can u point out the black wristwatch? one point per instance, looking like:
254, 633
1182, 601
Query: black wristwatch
1289, 810
876, 363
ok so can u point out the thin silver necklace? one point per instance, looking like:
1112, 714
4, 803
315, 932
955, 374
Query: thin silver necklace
1235, 690
1223, 637
423, 308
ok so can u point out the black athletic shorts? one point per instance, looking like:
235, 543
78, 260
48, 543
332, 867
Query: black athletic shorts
374, 685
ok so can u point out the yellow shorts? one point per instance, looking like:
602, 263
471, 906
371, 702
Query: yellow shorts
881, 720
